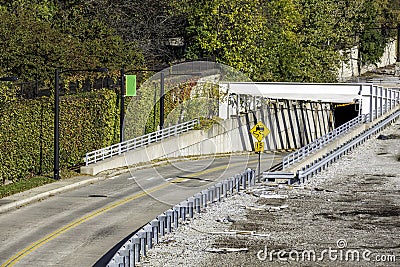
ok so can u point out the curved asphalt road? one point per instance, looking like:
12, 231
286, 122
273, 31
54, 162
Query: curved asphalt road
78, 227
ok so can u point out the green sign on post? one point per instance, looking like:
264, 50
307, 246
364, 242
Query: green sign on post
130, 85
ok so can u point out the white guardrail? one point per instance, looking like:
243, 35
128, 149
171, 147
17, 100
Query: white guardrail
334, 155
136, 247
118, 149
303, 152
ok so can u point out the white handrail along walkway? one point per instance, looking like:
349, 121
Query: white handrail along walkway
118, 149
303, 152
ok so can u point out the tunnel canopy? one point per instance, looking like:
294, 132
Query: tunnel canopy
329, 93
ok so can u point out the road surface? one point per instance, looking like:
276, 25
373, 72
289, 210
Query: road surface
78, 227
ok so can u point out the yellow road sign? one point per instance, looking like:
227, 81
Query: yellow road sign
259, 131
259, 146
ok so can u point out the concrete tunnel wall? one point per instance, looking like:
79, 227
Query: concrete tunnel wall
293, 124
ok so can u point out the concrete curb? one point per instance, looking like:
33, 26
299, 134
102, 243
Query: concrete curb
20, 203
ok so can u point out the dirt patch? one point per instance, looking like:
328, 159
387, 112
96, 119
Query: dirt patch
363, 213
271, 201
388, 137
247, 225
229, 242
381, 153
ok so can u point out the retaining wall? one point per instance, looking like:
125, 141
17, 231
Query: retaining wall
292, 124
350, 69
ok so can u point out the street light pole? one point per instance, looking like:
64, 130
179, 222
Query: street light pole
162, 99
57, 73
398, 43
122, 107
56, 168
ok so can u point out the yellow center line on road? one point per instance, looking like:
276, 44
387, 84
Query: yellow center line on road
194, 175
34, 246
26, 251
218, 169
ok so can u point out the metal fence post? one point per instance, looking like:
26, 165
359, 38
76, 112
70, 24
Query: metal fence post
231, 185
149, 235
177, 214
237, 182
136, 247
161, 219
183, 208
218, 191
190, 204
197, 202
131, 249
211, 191
243, 180
170, 215
204, 197
155, 225
225, 188
142, 235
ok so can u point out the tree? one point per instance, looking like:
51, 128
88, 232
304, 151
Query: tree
35, 43
284, 40
148, 23
374, 19
232, 32
278, 40
43, 10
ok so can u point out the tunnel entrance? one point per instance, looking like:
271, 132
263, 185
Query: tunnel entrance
345, 112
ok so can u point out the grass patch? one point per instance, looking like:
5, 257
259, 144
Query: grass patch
69, 173
23, 185
206, 124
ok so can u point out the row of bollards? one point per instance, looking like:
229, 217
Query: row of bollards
129, 254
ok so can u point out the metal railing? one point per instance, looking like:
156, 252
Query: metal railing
118, 149
303, 152
137, 246
334, 155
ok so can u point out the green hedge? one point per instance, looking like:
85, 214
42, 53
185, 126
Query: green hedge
88, 121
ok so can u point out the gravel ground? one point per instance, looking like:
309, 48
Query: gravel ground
348, 215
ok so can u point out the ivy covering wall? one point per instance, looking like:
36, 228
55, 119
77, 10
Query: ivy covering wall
88, 121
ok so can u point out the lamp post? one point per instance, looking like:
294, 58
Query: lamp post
162, 100
398, 43
122, 107
56, 168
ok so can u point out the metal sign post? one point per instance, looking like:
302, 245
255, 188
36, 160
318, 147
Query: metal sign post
259, 131
259, 166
